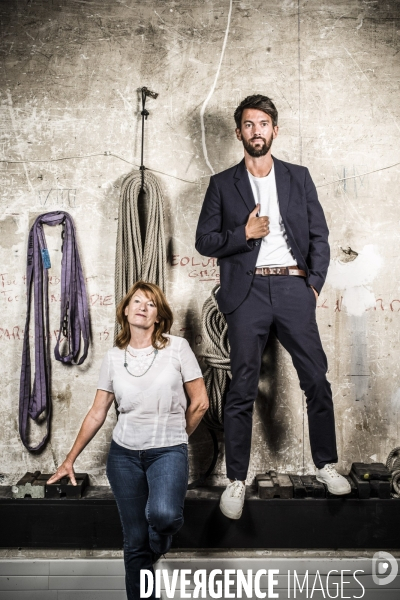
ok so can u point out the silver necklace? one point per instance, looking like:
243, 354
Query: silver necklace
138, 355
144, 373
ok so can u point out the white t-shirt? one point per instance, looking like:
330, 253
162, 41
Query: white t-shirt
274, 248
152, 407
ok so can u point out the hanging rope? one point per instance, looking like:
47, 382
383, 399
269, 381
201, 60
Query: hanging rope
217, 360
132, 261
393, 464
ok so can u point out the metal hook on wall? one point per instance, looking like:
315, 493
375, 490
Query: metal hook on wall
145, 113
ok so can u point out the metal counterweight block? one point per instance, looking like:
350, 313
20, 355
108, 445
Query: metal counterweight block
299, 491
314, 488
362, 485
64, 487
373, 471
380, 489
372, 480
274, 485
28, 486
34, 485
307, 486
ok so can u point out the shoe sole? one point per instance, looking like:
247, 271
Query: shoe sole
344, 493
230, 516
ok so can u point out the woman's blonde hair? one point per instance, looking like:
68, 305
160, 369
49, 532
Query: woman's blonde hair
154, 293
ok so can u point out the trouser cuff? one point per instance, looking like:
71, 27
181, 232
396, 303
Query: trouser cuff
322, 464
238, 476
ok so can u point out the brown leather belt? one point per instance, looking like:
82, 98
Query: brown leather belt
280, 271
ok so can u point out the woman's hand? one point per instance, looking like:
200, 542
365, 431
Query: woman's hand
90, 426
64, 470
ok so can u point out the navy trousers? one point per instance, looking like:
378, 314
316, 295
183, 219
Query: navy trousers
287, 304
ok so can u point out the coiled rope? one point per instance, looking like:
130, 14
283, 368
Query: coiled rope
217, 374
133, 262
393, 464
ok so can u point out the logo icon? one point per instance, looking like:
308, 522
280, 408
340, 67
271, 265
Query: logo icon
384, 568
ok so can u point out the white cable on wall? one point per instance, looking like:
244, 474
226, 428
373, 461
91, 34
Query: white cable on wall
210, 93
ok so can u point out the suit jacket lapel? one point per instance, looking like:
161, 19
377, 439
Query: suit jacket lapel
243, 186
282, 178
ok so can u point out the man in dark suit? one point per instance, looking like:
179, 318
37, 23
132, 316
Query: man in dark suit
263, 222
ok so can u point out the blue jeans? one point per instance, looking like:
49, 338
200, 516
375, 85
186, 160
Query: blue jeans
149, 487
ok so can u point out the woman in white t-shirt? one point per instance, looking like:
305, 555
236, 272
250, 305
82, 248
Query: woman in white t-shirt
147, 373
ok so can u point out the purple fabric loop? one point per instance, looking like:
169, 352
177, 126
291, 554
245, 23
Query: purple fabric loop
74, 319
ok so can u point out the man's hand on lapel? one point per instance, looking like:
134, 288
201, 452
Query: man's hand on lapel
256, 227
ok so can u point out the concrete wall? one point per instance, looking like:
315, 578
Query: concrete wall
70, 73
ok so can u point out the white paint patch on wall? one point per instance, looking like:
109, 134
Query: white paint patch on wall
396, 401
355, 278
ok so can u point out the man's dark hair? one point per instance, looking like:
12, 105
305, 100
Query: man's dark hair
261, 103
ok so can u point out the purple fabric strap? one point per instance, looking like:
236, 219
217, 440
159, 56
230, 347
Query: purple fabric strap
74, 320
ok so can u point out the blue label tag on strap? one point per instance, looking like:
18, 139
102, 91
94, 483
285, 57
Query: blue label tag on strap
46, 258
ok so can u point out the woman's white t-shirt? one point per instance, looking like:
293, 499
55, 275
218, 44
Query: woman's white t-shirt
152, 407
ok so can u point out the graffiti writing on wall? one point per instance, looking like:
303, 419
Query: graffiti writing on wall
11, 285
63, 197
15, 333
353, 181
380, 305
203, 269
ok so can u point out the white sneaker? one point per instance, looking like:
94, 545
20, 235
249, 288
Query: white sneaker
337, 484
232, 500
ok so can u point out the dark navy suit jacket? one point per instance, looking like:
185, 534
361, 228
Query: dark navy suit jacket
221, 228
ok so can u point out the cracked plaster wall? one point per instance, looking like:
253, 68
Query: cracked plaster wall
70, 71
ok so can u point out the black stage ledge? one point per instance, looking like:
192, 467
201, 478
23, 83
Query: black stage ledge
93, 522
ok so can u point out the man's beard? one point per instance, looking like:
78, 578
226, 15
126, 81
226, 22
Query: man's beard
259, 151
